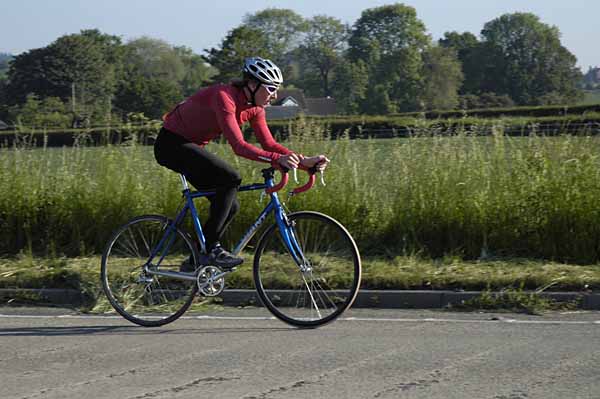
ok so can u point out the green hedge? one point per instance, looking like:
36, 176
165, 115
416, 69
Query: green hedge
329, 127
534, 111
402, 126
144, 134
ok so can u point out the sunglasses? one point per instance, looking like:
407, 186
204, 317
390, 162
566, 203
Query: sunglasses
270, 89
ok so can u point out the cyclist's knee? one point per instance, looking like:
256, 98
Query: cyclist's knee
229, 182
235, 179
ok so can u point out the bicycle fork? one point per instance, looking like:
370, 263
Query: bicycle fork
291, 241
288, 234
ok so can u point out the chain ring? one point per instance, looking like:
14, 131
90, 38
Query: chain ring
206, 285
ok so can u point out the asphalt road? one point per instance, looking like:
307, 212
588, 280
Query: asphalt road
246, 354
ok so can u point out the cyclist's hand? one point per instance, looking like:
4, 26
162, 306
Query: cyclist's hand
290, 161
320, 161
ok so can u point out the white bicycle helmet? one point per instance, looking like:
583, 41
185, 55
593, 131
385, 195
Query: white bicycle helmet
265, 71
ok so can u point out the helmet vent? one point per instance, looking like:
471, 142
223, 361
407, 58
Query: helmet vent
265, 71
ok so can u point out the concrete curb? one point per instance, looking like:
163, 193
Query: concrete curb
384, 299
55, 296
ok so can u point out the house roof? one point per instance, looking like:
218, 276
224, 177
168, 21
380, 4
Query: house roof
306, 105
296, 94
288, 101
320, 106
282, 112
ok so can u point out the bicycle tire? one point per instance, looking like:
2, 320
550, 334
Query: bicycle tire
122, 282
332, 282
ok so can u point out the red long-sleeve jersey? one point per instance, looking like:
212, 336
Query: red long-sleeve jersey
222, 109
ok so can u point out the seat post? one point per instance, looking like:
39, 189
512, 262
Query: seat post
184, 182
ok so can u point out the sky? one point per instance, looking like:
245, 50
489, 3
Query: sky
202, 24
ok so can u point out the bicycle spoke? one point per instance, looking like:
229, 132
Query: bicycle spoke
127, 249
130, 288
324, 294
331, 275
312, 299
130, 304
118, 250
163, 291
146, 245
133, 243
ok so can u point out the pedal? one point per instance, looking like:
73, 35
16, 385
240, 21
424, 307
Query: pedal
144, 279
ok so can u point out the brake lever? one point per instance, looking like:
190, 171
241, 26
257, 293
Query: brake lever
322, 177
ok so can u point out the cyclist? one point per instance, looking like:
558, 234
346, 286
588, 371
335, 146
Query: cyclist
222, 109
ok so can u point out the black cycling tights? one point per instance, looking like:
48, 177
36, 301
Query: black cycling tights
205, 171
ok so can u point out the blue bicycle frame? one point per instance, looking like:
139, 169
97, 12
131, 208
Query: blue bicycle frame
274, 205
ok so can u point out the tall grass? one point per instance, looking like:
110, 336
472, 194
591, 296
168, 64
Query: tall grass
468, 196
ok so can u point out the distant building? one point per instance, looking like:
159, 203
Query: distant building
292, 102
296, 95
320, 106
3, 126
282, 112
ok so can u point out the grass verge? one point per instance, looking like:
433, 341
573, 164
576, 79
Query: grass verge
530, 197
512, 284
516, 300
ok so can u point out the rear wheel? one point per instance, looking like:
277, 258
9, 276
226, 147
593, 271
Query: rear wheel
322, 285
139, 296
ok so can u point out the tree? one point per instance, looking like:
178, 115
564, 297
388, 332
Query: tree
49, 112
530, 61
155, 58
350, 86
239, 44
591, 80
282, 30
4, 63
26, 76
485, 100
322, 50
389, 29
443, 77
469, 52
157, 75
3, 100
390, 41
461, 42
80, 67
197, 72
150, 96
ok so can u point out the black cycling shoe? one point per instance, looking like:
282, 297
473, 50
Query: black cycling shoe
222, 259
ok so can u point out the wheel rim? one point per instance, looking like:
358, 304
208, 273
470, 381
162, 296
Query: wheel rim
329, 282
136, 294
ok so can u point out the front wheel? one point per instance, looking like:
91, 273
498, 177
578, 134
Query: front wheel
316, 284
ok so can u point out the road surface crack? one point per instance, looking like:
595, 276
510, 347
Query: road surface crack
285, 388
421, 383
433, 377
318, 378
189, 385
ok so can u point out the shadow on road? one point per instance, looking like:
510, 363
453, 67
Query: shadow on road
125, 330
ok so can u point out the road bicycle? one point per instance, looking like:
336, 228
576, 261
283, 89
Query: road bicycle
306, 270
